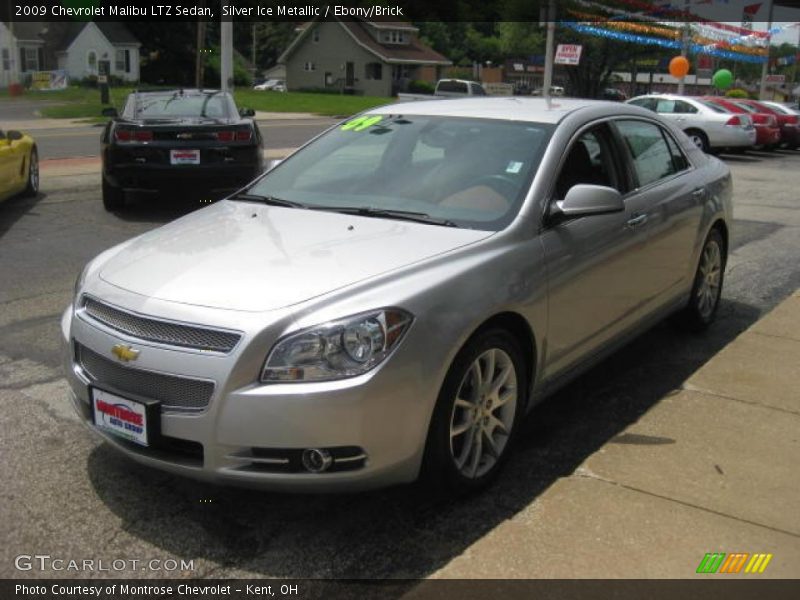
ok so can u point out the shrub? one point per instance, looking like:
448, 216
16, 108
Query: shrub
420, 87
737, 93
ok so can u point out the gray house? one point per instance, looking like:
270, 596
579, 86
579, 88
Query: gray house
370, 58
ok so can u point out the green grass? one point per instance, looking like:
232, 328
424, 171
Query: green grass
321, 104
83, 102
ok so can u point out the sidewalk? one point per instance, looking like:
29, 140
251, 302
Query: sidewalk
712, 467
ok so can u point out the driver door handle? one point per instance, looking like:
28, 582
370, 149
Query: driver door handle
636, 221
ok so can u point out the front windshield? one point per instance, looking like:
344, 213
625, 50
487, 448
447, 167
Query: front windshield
471, 172
175, 104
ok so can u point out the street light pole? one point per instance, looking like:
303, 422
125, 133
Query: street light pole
549, 48
226, 52
762, 92
684, 45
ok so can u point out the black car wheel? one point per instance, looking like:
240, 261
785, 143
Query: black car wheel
33, 174
477, 414
113, 197
699, 139
703, 303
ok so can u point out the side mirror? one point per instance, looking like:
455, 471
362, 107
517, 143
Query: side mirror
247, 112
110, 111
585, 199
12, 135
273, 163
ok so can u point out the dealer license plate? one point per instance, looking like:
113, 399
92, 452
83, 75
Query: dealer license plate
184, 157
120, 416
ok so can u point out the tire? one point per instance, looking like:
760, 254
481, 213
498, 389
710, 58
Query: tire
463, 461
699, 139
701, 310
113, 197
32, 187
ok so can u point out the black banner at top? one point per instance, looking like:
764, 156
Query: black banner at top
369, 10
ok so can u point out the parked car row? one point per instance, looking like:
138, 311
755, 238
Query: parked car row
717, 123
19, 164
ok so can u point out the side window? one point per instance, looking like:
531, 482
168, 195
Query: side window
589, 160
477, 90
648, 103
678, 157
664, 106
652, 159
684, 107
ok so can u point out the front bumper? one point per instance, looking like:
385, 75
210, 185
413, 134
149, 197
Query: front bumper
248, 428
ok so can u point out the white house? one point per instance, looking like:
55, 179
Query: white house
78, 48
86, 45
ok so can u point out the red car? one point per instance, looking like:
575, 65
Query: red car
789, 124
768, 131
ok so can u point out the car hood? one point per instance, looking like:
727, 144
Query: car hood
252, 257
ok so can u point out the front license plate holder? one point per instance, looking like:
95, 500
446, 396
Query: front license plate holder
137, 421
184, 157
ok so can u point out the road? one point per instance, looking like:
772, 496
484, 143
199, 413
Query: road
68, 495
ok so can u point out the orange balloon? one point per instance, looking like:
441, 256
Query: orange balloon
679, 67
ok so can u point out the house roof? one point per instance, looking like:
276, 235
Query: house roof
116, 33
415, 52
26, 31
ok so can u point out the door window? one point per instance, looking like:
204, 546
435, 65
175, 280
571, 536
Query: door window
651, 156
589, 160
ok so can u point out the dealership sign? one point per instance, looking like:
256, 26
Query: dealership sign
776, 78
568, 54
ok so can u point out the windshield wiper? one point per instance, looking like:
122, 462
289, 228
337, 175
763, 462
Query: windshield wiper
271, 200
388, 213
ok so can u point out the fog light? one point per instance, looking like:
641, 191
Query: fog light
317, 460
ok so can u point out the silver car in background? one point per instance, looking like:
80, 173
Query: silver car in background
710, 127
392, 299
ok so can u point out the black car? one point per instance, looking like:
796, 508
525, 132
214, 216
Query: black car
179, 141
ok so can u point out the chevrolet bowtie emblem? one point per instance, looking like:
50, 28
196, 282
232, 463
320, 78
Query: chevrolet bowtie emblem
124, 353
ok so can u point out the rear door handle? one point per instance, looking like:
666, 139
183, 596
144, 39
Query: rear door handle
699, 193
636, 221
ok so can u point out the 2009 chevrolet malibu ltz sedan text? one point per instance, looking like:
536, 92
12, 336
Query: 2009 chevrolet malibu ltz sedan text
393, 298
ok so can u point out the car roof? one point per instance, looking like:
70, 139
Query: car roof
185, 92
507, 108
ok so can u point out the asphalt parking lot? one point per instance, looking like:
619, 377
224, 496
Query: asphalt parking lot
66, 494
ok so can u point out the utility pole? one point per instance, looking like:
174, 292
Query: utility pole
12, 47
201, 59
762, 92
253, 53
549, 48
684, 44
226, 52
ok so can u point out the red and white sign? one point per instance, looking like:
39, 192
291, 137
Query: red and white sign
184, 157
568, 54
120, 416
776, 79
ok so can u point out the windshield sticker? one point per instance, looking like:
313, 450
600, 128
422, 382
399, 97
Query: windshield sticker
361, 123
514, 167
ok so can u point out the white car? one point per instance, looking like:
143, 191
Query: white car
709, 126
277, 85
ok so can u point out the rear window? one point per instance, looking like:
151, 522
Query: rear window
713, 106
452, 86
214, 106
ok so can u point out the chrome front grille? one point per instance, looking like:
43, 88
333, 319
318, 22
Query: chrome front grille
173, 392
164, 332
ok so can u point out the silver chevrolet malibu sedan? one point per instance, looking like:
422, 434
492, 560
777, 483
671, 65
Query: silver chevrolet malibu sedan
391, 300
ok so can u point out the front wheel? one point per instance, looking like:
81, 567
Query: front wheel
32, 187
477, 413
703, 303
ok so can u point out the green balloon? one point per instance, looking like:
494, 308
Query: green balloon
722, 79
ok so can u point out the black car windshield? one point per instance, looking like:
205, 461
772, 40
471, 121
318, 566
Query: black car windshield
178, 105
466, 171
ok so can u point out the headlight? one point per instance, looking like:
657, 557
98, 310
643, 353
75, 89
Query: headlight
76, 292
339, 349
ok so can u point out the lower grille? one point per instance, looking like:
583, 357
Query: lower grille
280, 460
173, 392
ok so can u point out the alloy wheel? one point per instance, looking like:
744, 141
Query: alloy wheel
483, 413
710, 278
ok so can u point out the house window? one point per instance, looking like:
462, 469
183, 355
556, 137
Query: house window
315, 35
374, 70
6, 60
394, 37
91, 60
328, 79
122, 60
310, 66
29, 59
